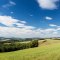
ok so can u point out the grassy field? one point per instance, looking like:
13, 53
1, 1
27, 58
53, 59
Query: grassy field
49, 50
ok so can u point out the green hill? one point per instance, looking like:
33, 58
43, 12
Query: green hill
49, 50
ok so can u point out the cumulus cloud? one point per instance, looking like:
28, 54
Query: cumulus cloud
15, 32
9, 4
12, 22
48, 4
28, 33
7, 20
17, 28
53, 25
48, 18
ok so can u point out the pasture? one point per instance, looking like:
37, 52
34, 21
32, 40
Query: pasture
49, 50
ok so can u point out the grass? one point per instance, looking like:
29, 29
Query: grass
49, 50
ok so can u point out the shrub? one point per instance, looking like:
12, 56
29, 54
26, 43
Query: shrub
34, 43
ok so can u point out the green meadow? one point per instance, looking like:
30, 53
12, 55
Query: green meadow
49, 50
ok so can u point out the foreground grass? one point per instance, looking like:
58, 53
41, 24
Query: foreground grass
49, 50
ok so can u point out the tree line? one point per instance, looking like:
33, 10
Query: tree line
7, 47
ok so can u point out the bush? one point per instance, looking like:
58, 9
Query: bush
34, 43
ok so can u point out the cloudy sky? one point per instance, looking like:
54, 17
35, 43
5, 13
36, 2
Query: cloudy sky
29, 18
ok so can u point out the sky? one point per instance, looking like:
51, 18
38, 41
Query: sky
30, 18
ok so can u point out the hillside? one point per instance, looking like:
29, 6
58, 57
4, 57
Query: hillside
49, 50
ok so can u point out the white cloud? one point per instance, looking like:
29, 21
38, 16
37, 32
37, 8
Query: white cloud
48, 18
48, 4
11, 22
7, 20
22, 30
28, 33
15, 27
9, 4
16, 32
53, 25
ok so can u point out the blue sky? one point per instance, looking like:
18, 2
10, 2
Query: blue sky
29, 18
